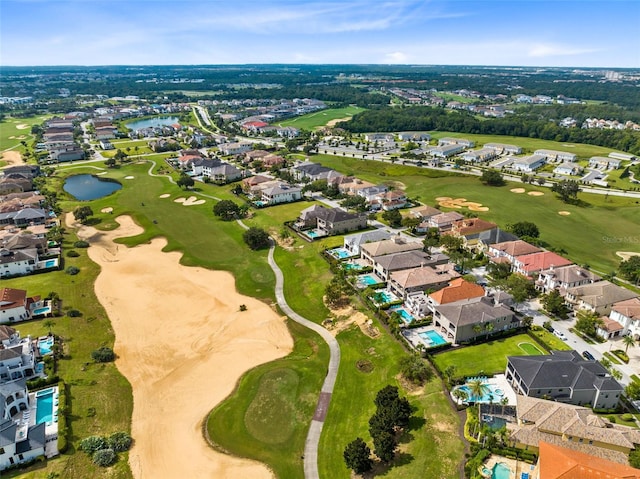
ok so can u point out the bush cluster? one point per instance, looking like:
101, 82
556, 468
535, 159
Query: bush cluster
103, 355
103, 449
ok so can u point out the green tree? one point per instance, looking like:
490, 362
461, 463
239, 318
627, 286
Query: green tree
567, 190
634, 458
103, 355
431, 239
415, 369
393, 217
520, 288
256, 238
477, 389
452, 243
82, 213
227, 210
628, 341
488, 328
355, 202
357, 456
384, 446
632, 391
630, 269
120, 155
49, 324
120, 441
104, 457
110, 162
185, 181
460, 395
588, 323
499, 271
411, 222
524, 228
492, 178
554, 303
92, 444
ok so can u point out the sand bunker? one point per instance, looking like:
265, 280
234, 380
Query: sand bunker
108, 209
517, 190
338, 120
166, 195
175, 326
22, 126
564, 213
625, 255
129, 177
101, 173
458, 203
535, 193
12, 158
192, 200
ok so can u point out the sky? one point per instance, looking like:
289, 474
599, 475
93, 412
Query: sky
575, 33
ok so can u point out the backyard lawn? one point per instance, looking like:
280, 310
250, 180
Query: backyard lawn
487, 358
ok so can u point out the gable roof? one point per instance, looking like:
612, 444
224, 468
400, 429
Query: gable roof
516, 247
12, 298
601, 293
542, 260
571, 274
389, 246
404, 260
561, 463
457, 290
424, 277
629, 308
472, 311
496, 235
367, 237
333, 215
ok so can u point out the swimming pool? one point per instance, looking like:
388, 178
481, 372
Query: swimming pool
44, 345
368, 279
312, 234
351, 266
495, 423
492, 393
383, 297
339, 253
404, 314
500, 471
44, 406
432, 338
51, 263
38, 311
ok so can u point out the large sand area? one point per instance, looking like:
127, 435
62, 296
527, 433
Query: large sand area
13, 158
182, 343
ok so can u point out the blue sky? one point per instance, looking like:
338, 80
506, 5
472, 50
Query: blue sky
589, 33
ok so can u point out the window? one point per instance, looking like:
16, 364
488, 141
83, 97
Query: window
581, 440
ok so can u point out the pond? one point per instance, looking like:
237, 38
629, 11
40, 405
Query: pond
152, 122
89, 187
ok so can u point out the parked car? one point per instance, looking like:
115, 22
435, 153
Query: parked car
588, 356
560, 335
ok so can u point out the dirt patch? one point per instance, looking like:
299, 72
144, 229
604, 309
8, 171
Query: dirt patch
535, 193
517, 190
564, 213
625, 255
344, 318
12, 158
175, 326
441, 425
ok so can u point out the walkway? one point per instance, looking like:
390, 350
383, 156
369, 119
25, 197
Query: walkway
315, 430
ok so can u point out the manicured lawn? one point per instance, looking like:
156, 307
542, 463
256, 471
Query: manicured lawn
431, 448
11, 135
486, 358
267, 416
606, 224
321, 118
550, 339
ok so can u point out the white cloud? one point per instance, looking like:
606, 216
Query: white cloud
396, 57
554, 50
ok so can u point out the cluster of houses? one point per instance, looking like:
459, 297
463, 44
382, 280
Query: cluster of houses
59, 139
610, 124
24, 435
430, 97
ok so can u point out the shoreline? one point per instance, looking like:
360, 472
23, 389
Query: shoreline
174, 326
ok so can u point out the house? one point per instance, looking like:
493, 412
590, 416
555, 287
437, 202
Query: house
397, 244
378, 137
457, 290
604, 163
507, 251
106, 145
281, 192
566, 377
571, 427
307, 169
66, 153
597, 297
557, 462
18, 357
554, 156
308, 217
252, 181
255, 155
14, 306
272, 160
105, 133
568, 169
353, 242
622, 156
473, 318
488, 238
565, 277
386, 264
501, 148
235, 148
478, 156
469, 230
353, 185
392, 200
456, 141
24, 217
424, 212
627, 314
335, 221
445, 151
414, 136
218, 171
17, 263
418, 280
529, 264
287, 132
444, 221
529, 164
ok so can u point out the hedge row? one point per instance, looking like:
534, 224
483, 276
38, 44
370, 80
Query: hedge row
62, 418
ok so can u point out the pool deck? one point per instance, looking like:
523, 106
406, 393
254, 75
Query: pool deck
413, 335
517, 467
499, 381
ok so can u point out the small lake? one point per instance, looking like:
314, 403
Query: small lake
152, 122
89, 187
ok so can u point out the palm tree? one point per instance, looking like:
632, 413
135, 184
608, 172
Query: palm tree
628, 341
488, 328
477, 389
504, 401
477, 329
460, 395
49, 324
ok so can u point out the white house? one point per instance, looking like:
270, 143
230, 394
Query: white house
627, 314
18, 263
235, 148
280, 193
554, 155
476, 156
446, 151
568, 169
529, 164
504, 148
456, 141
604, 163
17, 357
352, 242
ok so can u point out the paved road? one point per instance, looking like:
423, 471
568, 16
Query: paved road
315, 430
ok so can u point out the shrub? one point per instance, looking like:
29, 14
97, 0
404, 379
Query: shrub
103, 355
81, 244
92, 444
72, 270
74, 313
626, 417
73, 253
104, 457
120, 441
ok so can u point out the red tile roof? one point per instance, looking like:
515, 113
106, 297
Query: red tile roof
457, 290
539, 261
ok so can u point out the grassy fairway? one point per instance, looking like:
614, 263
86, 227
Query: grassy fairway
321, 118
11, 135
433, 433
488, 358
267, 416
606, 224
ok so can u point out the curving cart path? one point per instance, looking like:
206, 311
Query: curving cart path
315, 429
